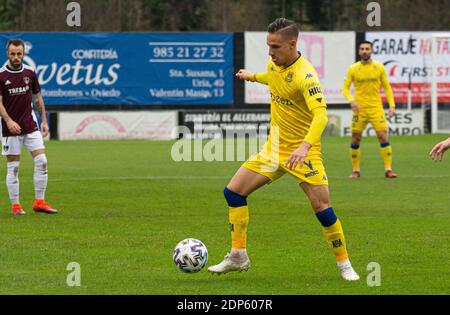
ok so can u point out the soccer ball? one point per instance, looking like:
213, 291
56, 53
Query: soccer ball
190, 255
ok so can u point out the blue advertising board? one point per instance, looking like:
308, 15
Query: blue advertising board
130, 68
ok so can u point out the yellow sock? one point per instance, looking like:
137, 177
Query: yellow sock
238, 222
386, 153
355, 154
336, 240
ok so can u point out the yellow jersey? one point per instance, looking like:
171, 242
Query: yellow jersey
367, 80
294, 92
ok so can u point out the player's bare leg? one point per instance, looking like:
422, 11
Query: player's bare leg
246, 181
386, 153
243, 183
355, 154
332, 228
40, 180
12, 183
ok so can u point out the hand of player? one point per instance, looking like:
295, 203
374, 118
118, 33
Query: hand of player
245, 75
437, 153
298, 156
355, 106
44, 129
13, 127
391, 112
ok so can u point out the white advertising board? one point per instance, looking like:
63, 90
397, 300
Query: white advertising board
404, 123
407, 59
106, 125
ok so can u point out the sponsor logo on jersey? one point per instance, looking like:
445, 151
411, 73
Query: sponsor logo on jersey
289, 77
280, 100
308, 75
310, 85
315, 90
365, 80
18, 90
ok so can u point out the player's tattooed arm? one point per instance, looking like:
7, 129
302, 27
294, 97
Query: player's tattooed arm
13, 127
39, 104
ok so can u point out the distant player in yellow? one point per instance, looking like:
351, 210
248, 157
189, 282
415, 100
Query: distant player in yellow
368, 76
298, 118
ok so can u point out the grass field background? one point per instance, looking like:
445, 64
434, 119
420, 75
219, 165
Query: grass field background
126, 204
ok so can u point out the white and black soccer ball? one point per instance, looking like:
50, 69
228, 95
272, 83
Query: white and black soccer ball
190, 255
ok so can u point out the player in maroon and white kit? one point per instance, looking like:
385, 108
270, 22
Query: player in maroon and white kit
18, 86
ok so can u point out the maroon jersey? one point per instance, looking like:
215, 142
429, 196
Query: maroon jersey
17, 88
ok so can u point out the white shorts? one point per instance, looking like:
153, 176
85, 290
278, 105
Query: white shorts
13, 145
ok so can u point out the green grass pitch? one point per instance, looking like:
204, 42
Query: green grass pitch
126, 204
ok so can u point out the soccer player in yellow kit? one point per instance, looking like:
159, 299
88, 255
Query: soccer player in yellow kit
298, 118
367, 76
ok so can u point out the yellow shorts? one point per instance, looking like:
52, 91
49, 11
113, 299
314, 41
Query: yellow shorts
376, 117
272, 166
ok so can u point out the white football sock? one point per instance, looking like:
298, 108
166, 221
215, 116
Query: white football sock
12, 181
40, 176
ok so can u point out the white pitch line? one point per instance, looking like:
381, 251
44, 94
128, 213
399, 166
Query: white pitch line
124, 178
382, 177
81, 179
